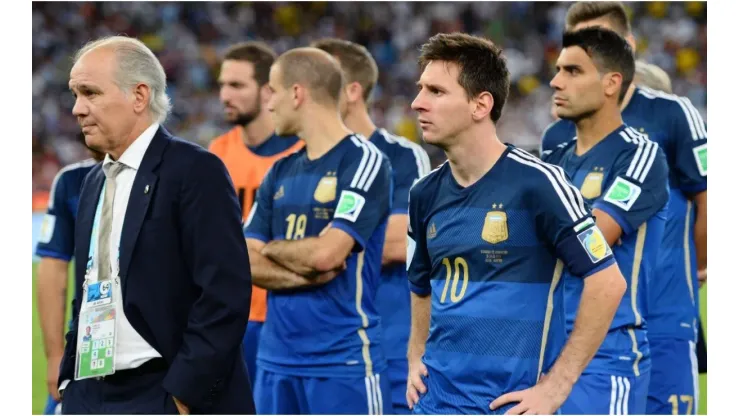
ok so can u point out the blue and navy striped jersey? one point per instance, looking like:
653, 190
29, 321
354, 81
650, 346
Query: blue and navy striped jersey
676, 125
491, 255
57, 236
409, 162
332, 330
626, 176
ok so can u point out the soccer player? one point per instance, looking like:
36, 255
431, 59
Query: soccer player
409, 163
491, 232
624, 177
673, 123
249, 149
315, 236
56, 248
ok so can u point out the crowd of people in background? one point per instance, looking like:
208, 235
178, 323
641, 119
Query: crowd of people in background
190, 38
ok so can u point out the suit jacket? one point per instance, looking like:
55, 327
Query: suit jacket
184, 269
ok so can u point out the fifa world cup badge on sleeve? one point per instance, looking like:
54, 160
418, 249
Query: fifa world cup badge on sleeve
700, 154
595, 244
96, 333
623, 194
495, 227
326, 190
350, 205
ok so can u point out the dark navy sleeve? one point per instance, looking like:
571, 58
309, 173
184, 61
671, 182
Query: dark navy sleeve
409, 165
418, 264
690, 147
259, 221
566, 222
56, 238
639, 188
556, 134
364, 202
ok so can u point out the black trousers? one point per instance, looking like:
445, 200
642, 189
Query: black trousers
133, 391
701, 350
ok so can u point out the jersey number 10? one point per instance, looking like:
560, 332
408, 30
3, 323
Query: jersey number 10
460, 266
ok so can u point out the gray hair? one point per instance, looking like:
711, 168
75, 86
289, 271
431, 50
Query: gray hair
652, 76
136, 64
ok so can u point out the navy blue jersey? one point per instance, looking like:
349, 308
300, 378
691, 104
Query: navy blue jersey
491, 255
626, 176
57, 236
673, 123
333, 330
409, 163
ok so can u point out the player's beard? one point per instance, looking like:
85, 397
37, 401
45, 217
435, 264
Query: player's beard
244, 119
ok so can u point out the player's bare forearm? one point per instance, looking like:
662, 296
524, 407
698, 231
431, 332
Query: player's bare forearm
602, 293
272, 276
700, 230
421, 313
51, 292
394, 248
312, 256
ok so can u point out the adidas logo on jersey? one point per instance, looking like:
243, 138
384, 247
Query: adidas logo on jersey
280, 193
432, 231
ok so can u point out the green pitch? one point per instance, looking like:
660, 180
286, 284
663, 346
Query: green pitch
39, 360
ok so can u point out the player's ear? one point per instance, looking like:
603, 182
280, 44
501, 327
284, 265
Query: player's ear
354, 92
612, 83
299, 95
482, 105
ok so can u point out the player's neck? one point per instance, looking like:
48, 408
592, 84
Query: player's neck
628, 96
359, 122
258, 131
592, 130
473, 155
322, 131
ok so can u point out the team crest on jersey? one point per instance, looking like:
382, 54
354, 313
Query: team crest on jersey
591, 187
495, 227
326, 190
595, 244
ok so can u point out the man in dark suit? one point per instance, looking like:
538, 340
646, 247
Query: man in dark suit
160, 223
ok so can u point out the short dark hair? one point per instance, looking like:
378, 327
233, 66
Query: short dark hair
356, 62
258, 54
314, 69
583, 11
482, 65
609, 52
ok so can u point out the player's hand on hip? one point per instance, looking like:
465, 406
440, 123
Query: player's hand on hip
52, 376
414, 385
181, 407
702, 275
545, 398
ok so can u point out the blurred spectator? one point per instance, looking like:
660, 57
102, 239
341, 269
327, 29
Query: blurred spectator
189, 39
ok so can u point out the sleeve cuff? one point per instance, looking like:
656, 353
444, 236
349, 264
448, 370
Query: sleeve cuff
256, 236
347, 229
397, 211
53, 254
420, 290
694, 188
614, 213
600, 267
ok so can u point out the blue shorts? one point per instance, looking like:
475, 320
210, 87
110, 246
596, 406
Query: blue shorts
674, 382
296, 395
398, 371
250, 343
604, 394
52, 406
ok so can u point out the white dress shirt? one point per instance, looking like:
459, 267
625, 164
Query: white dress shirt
131, 349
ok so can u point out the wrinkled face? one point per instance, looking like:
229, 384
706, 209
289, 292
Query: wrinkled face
239, 92
442, 103
282, 104
104, 111
579, 87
